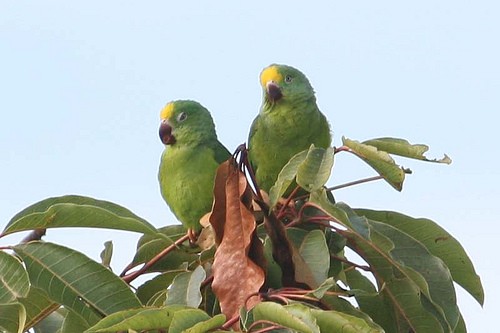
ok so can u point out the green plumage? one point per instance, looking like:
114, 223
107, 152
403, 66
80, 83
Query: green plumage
289, 122
188, 166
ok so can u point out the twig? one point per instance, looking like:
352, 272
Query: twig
132, 276
244, 160
231, 322
263, 322
336, 257
207, 281
290, 197
34, 235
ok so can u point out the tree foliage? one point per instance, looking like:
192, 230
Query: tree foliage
262, 262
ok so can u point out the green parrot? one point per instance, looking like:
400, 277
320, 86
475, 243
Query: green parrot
289, 121
190, 160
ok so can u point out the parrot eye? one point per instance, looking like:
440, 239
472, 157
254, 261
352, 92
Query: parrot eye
182, 117
288, 79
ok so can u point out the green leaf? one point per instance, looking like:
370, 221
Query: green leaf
14, 282
376, 249
304, 314
107, 253
185, 320
372, 303
411, 253
334, 321
142, 319
72, 279
12, 318
153, 292
315, 170
439, 242
37, 305
404, 148
316, 254
341, 305
205, 326
52, 323
323, 288
77, 211
185, 289
278, 314
381, 161
286, 177
73, 323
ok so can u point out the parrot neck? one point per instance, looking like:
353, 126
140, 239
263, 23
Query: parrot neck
302, 106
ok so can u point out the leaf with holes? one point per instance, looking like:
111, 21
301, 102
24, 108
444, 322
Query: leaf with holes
381, 161
404, 148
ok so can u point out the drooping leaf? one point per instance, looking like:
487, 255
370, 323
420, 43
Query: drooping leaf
413, 303
194, 320
185, 289
232, 260
37, 305
12, 318
153, 292
107, 253
411, 253
439, 242
315, 170
77, 211
70, 277
334, 321
286, 177
404, 148
381, 161
278, 314
14, 282
141, 319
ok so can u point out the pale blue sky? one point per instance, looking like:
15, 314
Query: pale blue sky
81, 87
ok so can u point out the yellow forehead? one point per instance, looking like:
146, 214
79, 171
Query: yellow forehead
270, 74
167, 111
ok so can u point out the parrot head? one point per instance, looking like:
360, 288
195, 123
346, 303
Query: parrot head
185, 122
284, 83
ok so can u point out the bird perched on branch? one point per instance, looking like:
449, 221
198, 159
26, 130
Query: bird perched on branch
289, 121
190, 160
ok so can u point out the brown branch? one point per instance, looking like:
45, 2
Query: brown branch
132, 276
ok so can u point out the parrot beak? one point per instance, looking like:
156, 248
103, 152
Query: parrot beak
273, 92
166, 133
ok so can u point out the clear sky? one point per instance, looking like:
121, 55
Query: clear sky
81, 88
